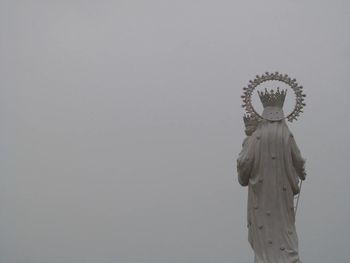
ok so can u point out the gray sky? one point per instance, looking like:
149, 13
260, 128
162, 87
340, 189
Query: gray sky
121, 124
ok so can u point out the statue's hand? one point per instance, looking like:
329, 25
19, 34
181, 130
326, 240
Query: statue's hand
302, 175
249, 130
250, 123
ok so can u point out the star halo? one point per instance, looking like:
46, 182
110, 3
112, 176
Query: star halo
298, 91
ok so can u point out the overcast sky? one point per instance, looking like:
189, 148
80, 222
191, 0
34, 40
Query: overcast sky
122, 122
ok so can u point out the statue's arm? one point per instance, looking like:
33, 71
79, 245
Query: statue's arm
245, 162
298, 160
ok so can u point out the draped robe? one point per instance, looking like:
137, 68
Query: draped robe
270, 164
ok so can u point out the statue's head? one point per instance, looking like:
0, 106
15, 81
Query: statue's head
271, 100
273, 104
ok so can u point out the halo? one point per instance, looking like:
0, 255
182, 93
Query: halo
298, 91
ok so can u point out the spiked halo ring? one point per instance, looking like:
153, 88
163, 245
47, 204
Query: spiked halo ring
298, 91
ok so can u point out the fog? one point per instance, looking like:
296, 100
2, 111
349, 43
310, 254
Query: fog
122, 122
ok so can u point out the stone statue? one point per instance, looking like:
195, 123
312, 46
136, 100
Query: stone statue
271, 165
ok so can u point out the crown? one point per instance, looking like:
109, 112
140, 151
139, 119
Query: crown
272, 98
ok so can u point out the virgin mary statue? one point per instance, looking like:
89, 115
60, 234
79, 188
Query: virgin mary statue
271, 165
